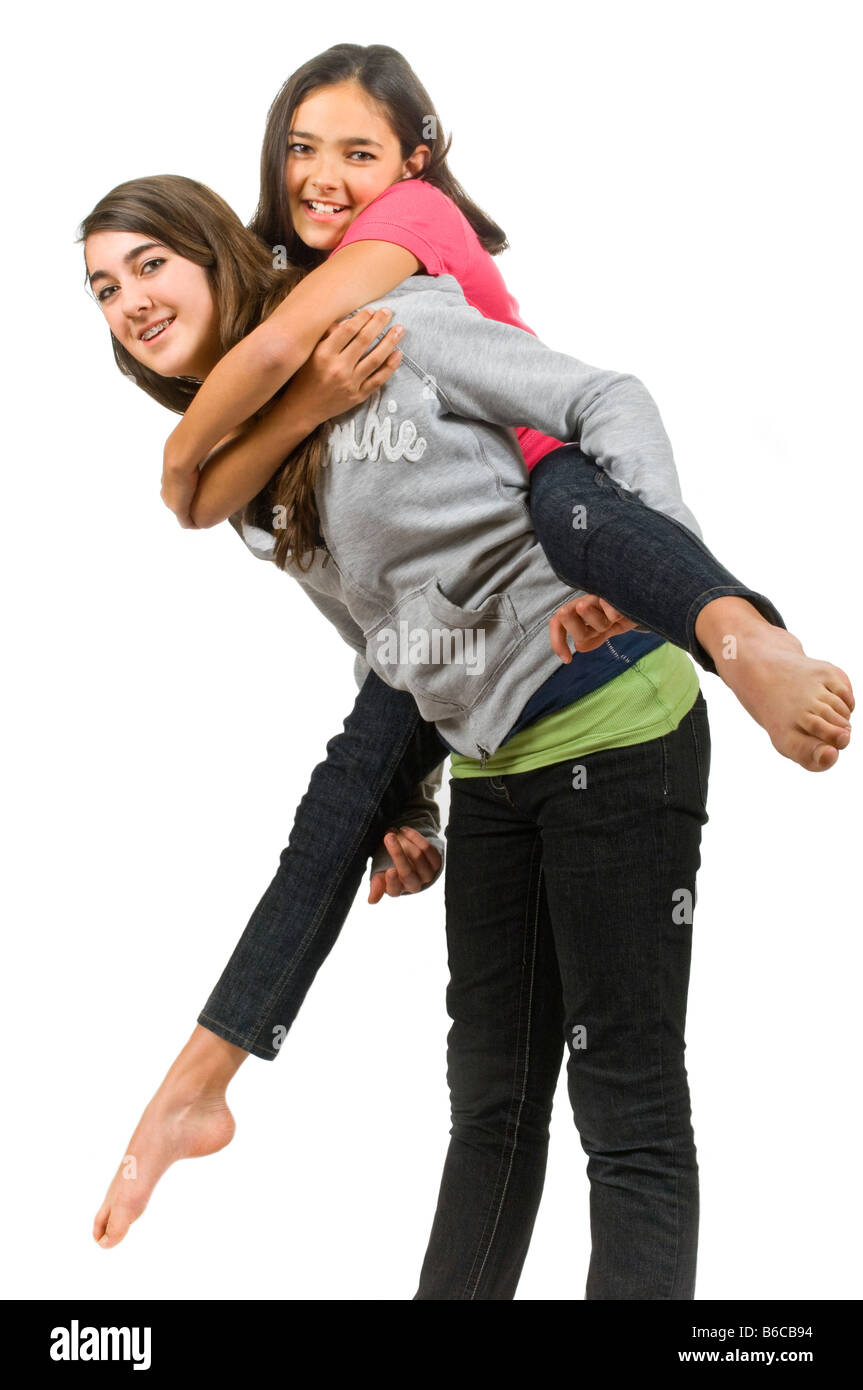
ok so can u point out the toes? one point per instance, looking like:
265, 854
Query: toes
824, 731
118, 1225
811, 753
101, 1221
838, 682
825, 756
828, 702
114, 1232
120, 1217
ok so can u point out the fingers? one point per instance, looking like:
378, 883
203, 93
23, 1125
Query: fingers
619, 621
571, 622
394, 884
589, 609
590, 644
590, 621
601, 615
340, 333
377, 887
382, 375
559, 644
404, 855
348, 362
430, 859
415, 861
380, 357
610, 612
356, 338
625, 625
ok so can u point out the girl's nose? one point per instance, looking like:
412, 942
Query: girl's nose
134, 301
324, 178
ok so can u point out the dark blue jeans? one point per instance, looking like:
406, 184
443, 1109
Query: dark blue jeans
652, 568
353, 798
569, 895
649, 566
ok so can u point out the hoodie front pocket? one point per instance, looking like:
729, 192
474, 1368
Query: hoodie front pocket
442, 654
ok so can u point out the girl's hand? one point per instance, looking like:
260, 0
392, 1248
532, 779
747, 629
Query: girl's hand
590, 621
416, 863
178, 489
334, 379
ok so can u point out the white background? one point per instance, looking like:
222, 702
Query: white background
680, 187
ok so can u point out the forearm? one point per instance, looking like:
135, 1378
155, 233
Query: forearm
499, 373
236, 472
256, 368
238, 385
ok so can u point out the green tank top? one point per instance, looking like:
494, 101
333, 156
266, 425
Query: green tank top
645, 702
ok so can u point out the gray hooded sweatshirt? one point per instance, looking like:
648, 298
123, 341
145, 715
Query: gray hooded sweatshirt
432, 571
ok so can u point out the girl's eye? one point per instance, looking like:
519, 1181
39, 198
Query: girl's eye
106, 292
301, 149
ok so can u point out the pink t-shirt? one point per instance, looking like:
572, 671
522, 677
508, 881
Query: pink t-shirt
416, 215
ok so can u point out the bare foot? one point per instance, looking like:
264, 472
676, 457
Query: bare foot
804, 704
187, 1118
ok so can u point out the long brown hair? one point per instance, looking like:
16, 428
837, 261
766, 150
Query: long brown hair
387, 77
197, 224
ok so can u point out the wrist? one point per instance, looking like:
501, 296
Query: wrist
177, 465
304, 421
175, 457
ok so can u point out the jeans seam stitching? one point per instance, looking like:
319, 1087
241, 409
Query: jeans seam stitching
335, 883
248, 1043
525, 1071
659, 968
702, 783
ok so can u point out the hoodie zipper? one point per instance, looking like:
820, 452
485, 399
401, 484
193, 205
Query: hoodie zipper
484, 756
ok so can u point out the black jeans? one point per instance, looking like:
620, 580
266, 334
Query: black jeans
569, 895
652, 568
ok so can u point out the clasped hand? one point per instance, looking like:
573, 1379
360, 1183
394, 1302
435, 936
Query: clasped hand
415, 861
589, 621
342, 372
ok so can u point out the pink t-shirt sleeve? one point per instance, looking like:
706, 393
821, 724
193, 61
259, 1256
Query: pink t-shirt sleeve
416, 215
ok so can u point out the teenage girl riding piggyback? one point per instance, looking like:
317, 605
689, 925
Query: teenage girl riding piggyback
354, 162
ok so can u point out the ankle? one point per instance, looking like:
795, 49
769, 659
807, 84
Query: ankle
725, 618
205, 1066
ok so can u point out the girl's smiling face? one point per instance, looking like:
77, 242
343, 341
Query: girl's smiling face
342, 154
159, 305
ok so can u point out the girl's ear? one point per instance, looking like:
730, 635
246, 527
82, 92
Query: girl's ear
417, 161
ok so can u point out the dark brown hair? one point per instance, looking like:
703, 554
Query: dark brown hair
389, 80
197, 224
